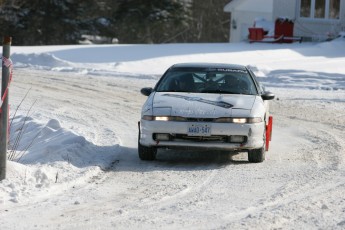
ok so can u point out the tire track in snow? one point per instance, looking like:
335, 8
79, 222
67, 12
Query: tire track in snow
284, 202
304, 164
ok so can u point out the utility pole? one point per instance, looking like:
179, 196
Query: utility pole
6, 68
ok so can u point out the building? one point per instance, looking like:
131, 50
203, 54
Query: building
243, 14
314, 20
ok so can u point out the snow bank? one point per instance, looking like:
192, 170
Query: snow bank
46, 156
50, 143
310, 64
38, 61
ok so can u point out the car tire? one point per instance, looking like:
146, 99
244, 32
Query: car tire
256, 155
146, 153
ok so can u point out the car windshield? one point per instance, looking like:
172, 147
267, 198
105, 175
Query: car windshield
228, 81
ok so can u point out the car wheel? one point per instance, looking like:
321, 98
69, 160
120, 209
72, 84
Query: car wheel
146, 153
256, 155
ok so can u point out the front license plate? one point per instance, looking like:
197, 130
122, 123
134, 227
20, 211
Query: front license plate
199, 130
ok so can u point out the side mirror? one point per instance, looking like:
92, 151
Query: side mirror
146, 91
267, 96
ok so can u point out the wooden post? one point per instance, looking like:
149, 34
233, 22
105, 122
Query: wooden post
6, 44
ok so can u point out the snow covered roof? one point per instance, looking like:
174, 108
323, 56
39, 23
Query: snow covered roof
265, 6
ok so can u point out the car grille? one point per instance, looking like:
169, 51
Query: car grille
184, 137
213, 138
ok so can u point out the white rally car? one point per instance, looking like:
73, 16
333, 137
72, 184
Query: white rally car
207, 106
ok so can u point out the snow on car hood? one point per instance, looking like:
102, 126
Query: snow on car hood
200, 105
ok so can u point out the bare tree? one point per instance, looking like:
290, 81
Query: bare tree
210, 22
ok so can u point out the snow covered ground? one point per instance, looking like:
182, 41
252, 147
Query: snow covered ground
77, 167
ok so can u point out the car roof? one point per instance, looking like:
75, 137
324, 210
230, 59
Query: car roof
208, 65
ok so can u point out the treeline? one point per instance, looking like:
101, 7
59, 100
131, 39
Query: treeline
53, 22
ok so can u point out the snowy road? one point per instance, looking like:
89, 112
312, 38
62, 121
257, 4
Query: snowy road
301, 185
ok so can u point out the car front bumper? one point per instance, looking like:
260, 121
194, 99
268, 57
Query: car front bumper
218, 139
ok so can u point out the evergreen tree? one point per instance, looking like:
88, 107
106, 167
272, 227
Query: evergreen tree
49, 22
34, 22
154, 21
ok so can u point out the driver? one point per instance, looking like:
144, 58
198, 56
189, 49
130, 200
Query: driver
186, 83
211, 81
236, 85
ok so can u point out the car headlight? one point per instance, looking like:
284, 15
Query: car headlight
148, 118
238, 120
163, 118
254, 120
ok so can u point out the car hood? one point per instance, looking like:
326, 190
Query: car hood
201, 104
